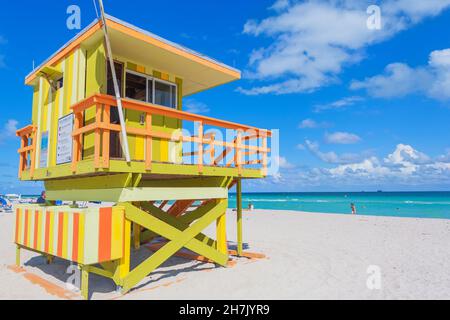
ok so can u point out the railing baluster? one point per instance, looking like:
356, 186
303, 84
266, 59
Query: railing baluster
33, 152
98, 118
149, 142
76, 141
212, 146
22, 159
106, 135
264, 146
238, 155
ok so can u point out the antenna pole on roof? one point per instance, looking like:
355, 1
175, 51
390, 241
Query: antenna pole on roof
109, 57
95, 7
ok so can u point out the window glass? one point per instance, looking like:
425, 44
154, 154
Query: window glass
110, 83
59, 83
164, 94
136, 87
174, 96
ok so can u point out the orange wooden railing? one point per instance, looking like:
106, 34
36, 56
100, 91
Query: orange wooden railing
27, 149
102, 128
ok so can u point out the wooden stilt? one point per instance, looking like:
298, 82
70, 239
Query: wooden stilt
50, 259
124, 264
85, 282
18, 256
239, 216
221, 225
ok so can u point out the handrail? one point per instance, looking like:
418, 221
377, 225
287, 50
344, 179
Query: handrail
235, 153
164, 111
101, 127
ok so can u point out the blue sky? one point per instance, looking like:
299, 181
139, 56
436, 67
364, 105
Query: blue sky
357, 109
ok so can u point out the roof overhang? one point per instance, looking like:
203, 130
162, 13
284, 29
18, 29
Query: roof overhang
198, 72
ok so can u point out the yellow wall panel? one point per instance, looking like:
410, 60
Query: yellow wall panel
95, 83
35, 104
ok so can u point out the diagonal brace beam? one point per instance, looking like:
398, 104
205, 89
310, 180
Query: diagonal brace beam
178, 240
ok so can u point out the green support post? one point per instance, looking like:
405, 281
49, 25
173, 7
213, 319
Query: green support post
18, 255
85, 282
239, 216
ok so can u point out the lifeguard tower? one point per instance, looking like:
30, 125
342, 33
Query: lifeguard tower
165, 172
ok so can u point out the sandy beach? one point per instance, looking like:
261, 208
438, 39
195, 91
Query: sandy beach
308, 256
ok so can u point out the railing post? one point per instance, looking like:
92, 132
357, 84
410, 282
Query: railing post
97, 140
200, 147
212, 148
238, 153
106, 135
148, 142
239, 216
33, 152
264, 146
22, 159
76, 141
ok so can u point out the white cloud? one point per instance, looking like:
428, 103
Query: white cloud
312, 124
9, 129
2, 57
399, 79
280, 5
342, 138
445, 157
405, 154
194, 106
308, 124
404, 164
405, 167
331, 156
284, 163
339, 104
314, 40
367, 167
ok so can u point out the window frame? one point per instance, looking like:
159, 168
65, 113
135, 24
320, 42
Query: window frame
153, 79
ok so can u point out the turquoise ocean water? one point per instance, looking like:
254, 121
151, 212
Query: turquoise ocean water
398, 204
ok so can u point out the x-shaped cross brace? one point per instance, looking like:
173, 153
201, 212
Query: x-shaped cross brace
181, 223
179, 239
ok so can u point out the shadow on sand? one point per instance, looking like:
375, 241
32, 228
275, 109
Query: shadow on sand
61, 270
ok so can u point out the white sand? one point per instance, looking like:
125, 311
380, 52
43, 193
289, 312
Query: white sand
310, 256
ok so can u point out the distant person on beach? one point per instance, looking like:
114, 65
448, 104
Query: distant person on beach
353, 208
41, 199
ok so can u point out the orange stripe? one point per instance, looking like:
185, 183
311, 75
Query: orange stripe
25, 229
47, 231
104, 241
36, 226
76, 221
60, 233
17, 225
